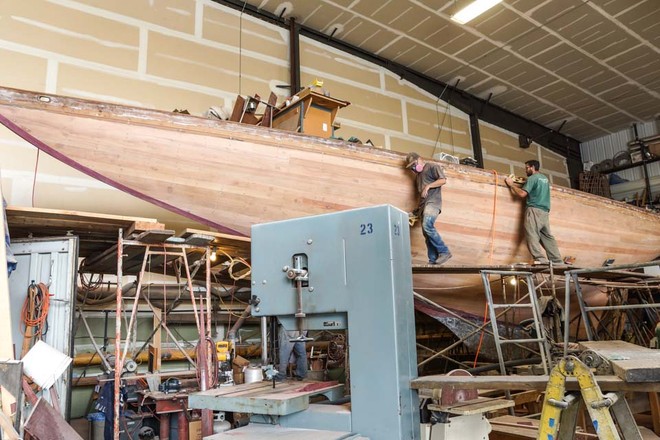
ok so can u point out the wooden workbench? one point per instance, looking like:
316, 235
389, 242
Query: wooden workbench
263, 398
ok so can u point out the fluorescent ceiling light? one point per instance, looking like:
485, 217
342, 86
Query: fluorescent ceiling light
474, 9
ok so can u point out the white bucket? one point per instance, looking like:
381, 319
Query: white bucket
253, 374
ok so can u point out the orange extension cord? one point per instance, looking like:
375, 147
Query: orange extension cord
35, 310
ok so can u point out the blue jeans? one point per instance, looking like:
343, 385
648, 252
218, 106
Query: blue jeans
287, 348
434, 244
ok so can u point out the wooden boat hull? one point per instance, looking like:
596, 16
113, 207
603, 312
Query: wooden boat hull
230, 176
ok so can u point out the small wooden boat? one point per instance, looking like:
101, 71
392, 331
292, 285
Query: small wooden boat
230, 176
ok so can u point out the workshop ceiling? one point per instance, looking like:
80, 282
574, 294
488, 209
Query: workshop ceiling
594, 64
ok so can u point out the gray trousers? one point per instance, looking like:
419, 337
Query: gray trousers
537, 232
287, 349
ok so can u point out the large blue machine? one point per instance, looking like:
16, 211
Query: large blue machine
345, 271
348, 270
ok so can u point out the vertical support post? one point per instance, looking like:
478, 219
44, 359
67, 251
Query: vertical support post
476, 140
583, 305
118, 358
207, 415
647, 183
192, 292
208, 293
264, 341
294, 55
134, 309
624, 417
203, 368
6, 342
183, 425
493, 321
567, 313
654, 401
544, 348
29, 329
164, 431
155, 350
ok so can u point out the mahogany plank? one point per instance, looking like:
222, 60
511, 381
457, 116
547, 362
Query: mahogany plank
44, 423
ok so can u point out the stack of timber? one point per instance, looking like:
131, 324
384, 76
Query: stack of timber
96, 231
98, 237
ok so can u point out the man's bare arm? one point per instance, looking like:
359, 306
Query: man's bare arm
438, 183
516, 189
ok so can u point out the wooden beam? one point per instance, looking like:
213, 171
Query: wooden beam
606, 383
28, 212
155, 347
7, 428
45, 423
654, 401
140, 226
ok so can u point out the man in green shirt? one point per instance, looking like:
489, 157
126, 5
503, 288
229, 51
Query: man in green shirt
536, 191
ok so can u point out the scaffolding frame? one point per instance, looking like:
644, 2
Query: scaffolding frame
203, 321
572, 276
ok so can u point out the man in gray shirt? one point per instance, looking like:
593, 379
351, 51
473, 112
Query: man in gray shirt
429, 179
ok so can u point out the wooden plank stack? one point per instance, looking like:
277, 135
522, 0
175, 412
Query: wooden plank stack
595, 183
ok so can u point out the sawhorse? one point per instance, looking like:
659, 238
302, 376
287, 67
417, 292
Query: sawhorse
559, 414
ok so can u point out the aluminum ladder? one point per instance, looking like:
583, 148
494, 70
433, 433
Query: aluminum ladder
540, 339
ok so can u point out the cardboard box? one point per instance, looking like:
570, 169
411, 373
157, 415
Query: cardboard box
195, 430
240, 361
82, 427
654, 148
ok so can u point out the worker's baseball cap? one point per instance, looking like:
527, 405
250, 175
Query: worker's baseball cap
411, 158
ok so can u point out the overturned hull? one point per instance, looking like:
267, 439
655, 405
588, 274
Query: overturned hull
230, 176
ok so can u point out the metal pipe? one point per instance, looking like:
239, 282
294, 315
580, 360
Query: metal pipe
567, 307
96, 347
264, 342
208, 293
107, 295
164, 431
167, 354
299, 310
477, 329
118, 358
294, 56
231, 334
613, 268
647, 182
572, 275
135, 303
203, 368
622, 307
512, 363
183, 425
190, 289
